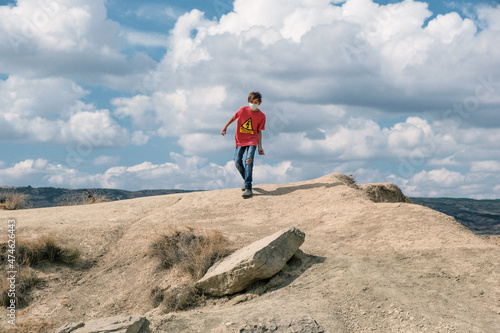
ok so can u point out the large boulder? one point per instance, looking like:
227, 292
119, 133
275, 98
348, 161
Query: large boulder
259, 260
117, 324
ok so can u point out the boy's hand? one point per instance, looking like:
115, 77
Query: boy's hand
261, 151
223, 132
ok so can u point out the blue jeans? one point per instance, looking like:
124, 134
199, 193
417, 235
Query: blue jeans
240, 157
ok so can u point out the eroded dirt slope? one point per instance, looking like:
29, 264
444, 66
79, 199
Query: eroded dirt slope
393, 267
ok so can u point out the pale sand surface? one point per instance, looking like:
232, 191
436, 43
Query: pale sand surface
389, 267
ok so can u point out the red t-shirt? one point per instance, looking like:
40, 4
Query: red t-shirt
249, 124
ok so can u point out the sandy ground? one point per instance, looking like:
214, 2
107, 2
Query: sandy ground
387, 267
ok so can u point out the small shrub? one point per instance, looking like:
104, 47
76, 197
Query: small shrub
13, 200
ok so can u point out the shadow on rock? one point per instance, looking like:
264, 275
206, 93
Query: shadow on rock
295, 267
289, 189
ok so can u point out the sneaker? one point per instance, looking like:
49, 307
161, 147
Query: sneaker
247, 194
243, 187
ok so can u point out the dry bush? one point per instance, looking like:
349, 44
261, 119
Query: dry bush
30, 326
349, 181
84, 198
25, 280
180, 298
27, 254
13, 200
177, 298
45, 248
157, 296
190, 252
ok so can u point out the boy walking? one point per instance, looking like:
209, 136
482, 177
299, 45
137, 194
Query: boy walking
251, 123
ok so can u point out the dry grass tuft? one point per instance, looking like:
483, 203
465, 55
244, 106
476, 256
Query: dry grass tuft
157, 296
31, 326
29, 254
11, 200
191, 254
25, 280
182, 297
43, 249
349, 181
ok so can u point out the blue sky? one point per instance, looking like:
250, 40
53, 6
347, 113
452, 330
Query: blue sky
132, 95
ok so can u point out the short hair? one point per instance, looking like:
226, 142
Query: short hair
253, 95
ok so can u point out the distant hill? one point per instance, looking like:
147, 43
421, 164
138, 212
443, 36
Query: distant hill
480, 216
50, 196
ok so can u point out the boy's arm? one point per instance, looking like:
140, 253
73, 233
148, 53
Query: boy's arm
261, 150
224, 129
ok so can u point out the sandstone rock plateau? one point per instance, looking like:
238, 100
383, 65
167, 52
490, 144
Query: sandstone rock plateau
384, 266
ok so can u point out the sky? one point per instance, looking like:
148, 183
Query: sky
133, 94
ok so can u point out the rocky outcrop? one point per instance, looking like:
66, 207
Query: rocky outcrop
118, 324
304, 324
384, 192
259, 260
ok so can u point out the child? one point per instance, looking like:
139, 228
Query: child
251, 123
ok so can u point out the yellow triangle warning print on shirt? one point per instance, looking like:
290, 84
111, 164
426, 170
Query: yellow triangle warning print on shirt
247, 127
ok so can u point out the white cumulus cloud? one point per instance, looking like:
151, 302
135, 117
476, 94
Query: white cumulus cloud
390, 91
66, 38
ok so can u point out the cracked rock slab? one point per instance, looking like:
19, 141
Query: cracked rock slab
117, 324
259, 260
303, 324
